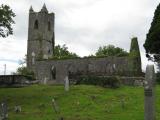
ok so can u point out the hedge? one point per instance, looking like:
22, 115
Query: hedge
112, 82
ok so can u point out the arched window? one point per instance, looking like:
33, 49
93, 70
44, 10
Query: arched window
49, 26
53, 72
49, 51
36, 24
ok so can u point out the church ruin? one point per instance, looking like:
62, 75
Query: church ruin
41, 42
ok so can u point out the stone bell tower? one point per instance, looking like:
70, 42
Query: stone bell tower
40, 36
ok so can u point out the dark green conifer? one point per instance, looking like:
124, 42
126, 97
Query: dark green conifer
152, 43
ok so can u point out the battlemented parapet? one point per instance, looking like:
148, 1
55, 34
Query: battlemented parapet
40, 36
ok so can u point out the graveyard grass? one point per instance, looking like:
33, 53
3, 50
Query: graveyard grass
82, 102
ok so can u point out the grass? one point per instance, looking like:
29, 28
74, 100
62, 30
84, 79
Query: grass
80, 103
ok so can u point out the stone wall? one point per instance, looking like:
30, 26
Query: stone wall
13, 81
40, 36
132, 81
41, 40
107, 66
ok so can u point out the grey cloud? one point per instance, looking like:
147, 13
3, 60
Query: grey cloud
82, 37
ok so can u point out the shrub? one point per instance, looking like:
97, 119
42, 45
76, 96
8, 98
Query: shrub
103, 81
25, 72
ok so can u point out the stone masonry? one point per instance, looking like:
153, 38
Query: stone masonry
41, 47
40, 36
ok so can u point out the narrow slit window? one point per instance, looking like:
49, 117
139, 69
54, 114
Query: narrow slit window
36, 24
49, 26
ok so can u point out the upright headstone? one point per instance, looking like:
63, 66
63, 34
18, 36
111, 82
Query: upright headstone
57, 110
149, 86
17, 108
45, 80
3, 111
66, 83
55, 106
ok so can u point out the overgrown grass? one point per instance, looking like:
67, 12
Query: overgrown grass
82, 102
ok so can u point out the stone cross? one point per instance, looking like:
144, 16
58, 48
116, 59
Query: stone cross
149, 86
3, 111
66, 83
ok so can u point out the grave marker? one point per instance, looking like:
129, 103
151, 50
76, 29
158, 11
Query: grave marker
3, 111
149, 92
66, 83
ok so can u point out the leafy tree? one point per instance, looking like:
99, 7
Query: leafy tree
6, 20
152, 43
23, 70
61, 52
111, 50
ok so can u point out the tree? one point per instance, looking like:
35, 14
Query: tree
152, 43
23, 70
6, 20
111, 50
61, 52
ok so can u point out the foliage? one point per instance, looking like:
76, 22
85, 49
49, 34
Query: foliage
152, 42
112, 82
134, 49
6, 20
82, 102
23, 70
61, 52
111, 50
158, 77
135, 57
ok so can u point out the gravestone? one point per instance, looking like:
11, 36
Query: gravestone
17, 109
55, 106
45, 81
3, 111
66, 83
149, 91
57, 110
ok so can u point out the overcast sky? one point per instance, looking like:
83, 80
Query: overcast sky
83, 25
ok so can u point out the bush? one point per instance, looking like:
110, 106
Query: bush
112, 82
25, 72
111, 50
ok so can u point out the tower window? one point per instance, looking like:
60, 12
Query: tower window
36, 24
53, 41
49, 51
49, 26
